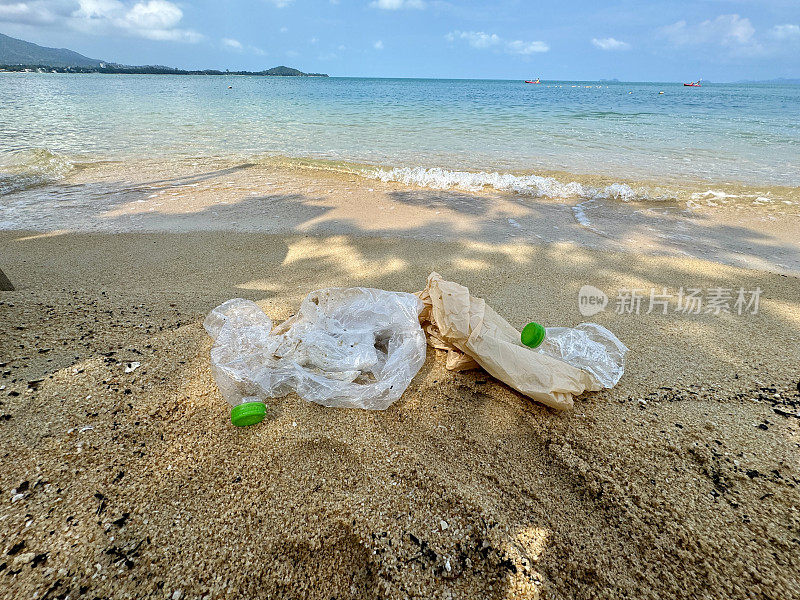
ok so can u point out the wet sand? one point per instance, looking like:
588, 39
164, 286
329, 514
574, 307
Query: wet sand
680, 482
740, 226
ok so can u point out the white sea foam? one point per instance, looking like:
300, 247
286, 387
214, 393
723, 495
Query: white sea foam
579, 212
715, 198
526, 185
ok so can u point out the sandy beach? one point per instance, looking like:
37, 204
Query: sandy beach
680, 482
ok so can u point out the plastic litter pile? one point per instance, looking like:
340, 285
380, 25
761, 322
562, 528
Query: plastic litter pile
354, 347
568, 362
361, 347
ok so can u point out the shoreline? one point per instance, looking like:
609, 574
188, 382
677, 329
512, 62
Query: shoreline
665, 187
281, 196
675, 482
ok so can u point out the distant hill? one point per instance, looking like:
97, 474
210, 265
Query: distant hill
284, 72
19, 55
19, 52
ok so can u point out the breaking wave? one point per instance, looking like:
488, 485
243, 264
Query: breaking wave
25, 169
526, 185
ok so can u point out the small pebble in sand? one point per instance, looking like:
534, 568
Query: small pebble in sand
23, 559
444, 525
131, 367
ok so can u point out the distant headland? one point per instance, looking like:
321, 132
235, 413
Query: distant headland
153, 70
21, 56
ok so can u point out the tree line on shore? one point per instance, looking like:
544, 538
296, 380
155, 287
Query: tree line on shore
156, 70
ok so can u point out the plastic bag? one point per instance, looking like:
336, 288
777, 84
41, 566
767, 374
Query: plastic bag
569, 362
590, 347
346, 347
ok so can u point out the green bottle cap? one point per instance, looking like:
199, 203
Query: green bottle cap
248, 413
532, 335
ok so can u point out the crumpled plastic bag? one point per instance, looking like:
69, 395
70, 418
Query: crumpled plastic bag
569, 361
590, 347
346, 347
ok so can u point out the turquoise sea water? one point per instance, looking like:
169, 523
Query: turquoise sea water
626, 131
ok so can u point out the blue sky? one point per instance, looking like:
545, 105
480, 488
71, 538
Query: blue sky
719, 40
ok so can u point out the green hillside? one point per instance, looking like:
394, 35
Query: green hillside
19, 52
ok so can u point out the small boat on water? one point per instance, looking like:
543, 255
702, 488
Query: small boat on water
693, 83
533, 80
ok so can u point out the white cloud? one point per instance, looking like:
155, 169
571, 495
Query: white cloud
170, 35
610, 43
476, 39
733, 37
520, 47
482, 40
153, 20
397, 4
378, 45
97, 9
231, 43
37, 12
237, 46
725, 30
150, 19
785, 32
154, 15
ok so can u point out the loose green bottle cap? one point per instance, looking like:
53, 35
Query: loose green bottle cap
248, 413
532, 335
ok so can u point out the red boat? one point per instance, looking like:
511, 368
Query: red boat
693, 84
531, 81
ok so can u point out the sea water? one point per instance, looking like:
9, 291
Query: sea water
550, 139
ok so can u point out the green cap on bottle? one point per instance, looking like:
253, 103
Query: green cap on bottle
248, 413
532, 335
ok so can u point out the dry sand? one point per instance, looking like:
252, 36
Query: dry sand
681, 482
